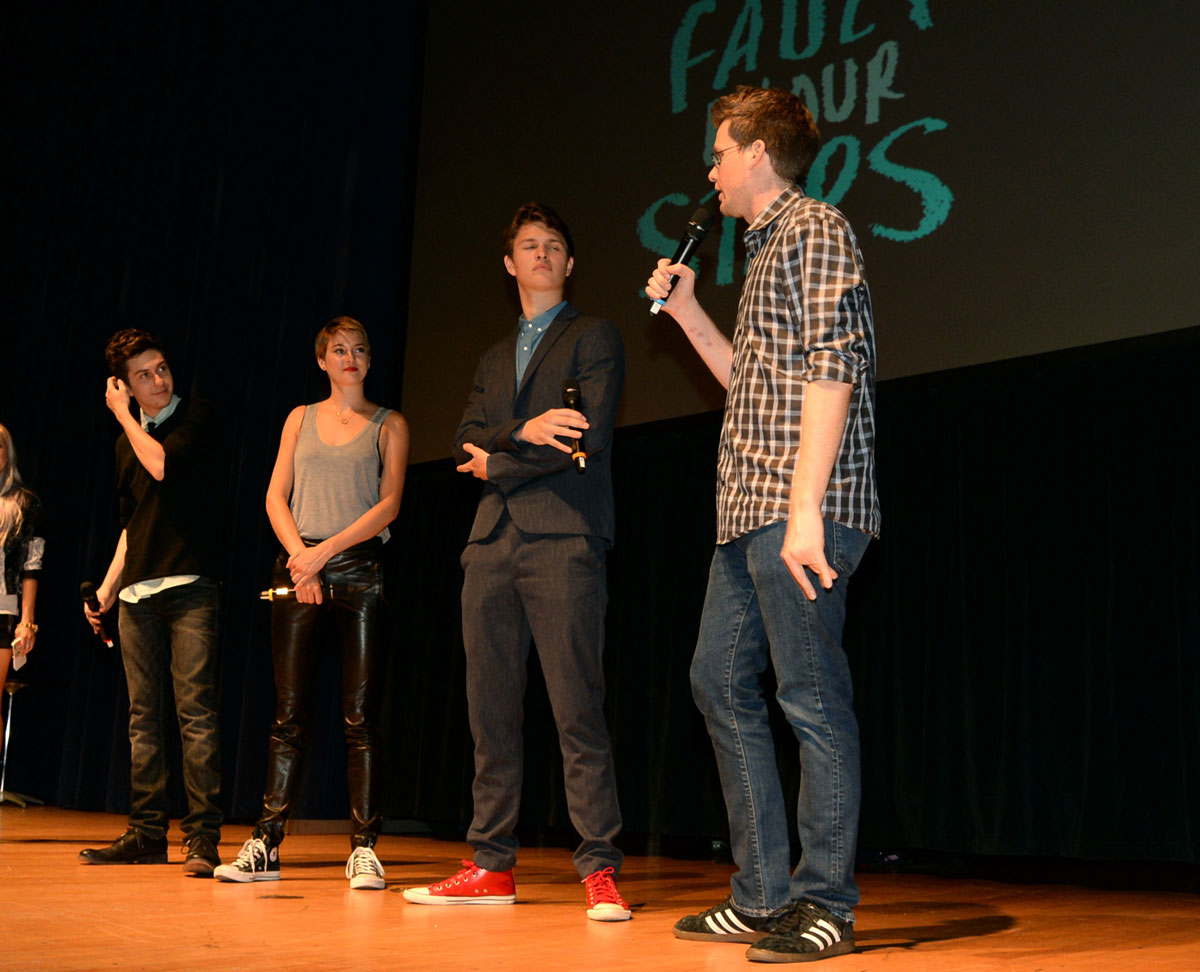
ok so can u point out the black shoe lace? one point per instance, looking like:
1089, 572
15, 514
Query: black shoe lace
791, 916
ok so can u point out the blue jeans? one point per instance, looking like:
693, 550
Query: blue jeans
173, 634
754, 614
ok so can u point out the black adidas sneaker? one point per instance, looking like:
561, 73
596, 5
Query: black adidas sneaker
722, 923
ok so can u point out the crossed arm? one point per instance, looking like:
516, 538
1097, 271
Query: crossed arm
514, 451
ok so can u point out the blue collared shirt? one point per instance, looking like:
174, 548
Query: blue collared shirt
529, 333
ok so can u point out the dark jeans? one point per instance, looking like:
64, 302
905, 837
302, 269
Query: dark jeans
756, 615
173, 632
298, 633
553, 588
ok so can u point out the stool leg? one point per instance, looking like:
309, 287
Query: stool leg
4, 759
20, 799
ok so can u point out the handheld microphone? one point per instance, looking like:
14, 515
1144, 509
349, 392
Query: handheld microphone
87, 590
697, 228
572, 399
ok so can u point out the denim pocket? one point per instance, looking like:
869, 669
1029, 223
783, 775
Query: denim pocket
845, 547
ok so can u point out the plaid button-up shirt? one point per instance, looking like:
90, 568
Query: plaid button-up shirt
804, 315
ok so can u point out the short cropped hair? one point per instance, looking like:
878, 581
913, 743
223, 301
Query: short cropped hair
127, 344
536, 212
338, 324
780, 119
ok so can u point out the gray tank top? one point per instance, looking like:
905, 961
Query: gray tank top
332, 486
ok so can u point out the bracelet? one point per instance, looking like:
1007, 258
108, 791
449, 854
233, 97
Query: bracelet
28, 624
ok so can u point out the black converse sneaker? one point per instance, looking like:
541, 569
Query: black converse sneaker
722, 923
256, 861
804, 933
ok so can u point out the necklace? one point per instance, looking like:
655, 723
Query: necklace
338, 412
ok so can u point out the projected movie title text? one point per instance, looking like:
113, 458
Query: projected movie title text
858, 89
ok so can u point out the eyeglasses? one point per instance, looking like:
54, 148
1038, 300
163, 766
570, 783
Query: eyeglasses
716, 157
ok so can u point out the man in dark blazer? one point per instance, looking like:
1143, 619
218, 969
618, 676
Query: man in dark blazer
534, 566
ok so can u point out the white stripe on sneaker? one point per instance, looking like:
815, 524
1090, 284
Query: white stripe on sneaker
832, 929
727, 923
822, 934
731, 916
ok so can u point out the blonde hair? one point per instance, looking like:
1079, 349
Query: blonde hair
12, 493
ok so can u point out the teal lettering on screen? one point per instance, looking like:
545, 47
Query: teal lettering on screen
935, 195
837, 56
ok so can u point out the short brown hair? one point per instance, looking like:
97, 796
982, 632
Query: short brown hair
325, 335
536, 212
127, 344
780, 119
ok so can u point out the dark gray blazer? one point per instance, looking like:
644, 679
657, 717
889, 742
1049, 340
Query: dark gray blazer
536, 483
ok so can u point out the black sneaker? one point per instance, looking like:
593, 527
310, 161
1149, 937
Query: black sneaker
200, 856
723, 923
804, 933
256, 861
132, 847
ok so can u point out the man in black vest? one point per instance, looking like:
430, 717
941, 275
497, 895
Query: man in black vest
170, 480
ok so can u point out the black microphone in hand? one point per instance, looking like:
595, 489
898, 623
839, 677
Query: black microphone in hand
572, 399
697, 228
87, 590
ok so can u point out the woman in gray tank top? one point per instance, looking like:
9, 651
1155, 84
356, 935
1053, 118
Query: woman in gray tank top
335, 488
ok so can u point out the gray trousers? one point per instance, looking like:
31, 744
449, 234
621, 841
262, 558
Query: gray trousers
550, 587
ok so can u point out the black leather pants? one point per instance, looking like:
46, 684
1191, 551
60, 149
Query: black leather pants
352, 620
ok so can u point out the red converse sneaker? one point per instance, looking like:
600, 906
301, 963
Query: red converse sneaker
472, 885
604, 901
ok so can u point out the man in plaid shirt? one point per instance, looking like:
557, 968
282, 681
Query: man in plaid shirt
796, 508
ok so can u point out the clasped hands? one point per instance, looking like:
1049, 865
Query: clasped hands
305, 569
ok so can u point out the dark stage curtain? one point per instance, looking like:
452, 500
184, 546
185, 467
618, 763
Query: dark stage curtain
1022, 636
1026, 644
229, 179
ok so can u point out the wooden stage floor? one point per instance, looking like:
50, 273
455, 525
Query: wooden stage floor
61, 915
